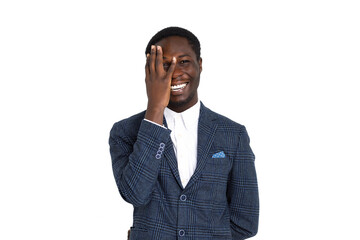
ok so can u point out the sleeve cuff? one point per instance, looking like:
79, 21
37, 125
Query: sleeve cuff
155, 123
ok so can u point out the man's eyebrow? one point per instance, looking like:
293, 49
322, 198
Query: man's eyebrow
185, 55
181, 56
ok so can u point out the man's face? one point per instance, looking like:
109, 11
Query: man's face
186, 77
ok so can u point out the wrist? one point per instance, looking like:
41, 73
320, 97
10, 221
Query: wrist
155, 114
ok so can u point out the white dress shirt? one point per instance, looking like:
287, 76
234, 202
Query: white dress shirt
184, 129
184, 135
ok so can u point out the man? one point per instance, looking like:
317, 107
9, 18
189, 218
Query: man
188, 172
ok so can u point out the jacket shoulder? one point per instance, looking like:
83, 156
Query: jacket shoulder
225, 123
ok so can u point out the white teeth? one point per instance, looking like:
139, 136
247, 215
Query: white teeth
178, 87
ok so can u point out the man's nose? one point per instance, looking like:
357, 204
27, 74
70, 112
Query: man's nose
177, 72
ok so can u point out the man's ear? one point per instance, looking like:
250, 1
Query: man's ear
200, 64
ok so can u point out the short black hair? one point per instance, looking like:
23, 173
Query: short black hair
176, 31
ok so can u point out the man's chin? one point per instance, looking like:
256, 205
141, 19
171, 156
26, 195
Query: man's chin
178, 104
181, 104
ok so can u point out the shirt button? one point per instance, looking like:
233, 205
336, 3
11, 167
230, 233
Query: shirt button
181, 233
183, 197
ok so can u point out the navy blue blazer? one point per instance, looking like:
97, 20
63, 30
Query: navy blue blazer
219, 202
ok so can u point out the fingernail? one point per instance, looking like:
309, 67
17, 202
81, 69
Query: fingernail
152, 47
147, 55
174, 59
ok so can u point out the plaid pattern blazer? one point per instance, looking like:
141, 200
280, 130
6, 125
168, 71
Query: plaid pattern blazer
219, 202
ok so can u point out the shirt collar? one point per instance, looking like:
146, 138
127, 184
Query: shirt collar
190, 117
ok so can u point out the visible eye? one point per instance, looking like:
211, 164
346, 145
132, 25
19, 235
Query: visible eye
184, 61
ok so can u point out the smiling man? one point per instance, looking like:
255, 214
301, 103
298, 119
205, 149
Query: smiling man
189, 172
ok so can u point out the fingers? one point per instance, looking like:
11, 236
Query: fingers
159, 60
152, 59
171, 68
156, 59
147, 67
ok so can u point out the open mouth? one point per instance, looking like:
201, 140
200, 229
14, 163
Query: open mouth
179, 87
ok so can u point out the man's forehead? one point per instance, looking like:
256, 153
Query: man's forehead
174, 42
176, 45
174, 38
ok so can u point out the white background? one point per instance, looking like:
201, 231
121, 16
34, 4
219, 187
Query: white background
287, 70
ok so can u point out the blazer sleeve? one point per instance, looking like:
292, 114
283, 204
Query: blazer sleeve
243, 191
136, 159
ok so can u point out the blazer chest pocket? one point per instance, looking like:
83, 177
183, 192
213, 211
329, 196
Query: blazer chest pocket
217, 171
218, 165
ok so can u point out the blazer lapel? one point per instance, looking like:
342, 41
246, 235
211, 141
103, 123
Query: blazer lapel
171, 158
206, 131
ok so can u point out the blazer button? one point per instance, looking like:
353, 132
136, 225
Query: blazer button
158, 156
181, 233
162, 145
183, 197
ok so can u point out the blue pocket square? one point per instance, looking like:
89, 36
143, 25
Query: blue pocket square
219, 155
